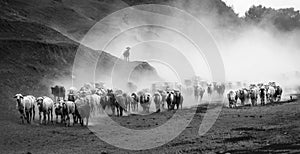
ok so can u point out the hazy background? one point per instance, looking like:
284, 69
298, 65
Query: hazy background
260, 46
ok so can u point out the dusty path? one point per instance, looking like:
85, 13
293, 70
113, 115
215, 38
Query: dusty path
266, 129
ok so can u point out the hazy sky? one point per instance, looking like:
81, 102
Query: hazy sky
241, 6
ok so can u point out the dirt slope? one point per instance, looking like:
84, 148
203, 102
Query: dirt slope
33, 56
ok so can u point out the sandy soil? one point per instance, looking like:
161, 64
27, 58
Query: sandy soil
268, 129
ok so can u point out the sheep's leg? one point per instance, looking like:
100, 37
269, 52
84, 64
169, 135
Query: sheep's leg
133, 107
40, 115
117, 111
61, 118
113, 110
129, 107
33, 111
48, 114
45, 117
27, 116
137, 107
50, 119
121, 111
81, 122
73, 118
30, 116
51, 112
22, 119
67, 120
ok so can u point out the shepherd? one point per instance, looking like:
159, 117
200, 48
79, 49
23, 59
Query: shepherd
126, 54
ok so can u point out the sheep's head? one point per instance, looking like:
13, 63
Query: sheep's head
18, 98
109, 91
148, 96
58, 104
61, 101
133, 94
39, 101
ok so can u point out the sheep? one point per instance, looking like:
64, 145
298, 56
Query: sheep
157, 98
45, 105
68, 107
94, 102
82, 110
58, 109
26, 106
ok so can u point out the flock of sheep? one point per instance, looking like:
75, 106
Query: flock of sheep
26, 106
90, 100
265, 92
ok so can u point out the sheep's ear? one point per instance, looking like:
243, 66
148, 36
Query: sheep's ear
15, 96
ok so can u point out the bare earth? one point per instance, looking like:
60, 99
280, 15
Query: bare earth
268, 129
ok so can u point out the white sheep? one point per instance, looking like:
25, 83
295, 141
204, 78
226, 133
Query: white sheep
26, 106
45, 105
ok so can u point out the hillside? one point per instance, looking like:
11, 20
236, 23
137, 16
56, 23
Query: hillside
69, 17
74, 18
34, 57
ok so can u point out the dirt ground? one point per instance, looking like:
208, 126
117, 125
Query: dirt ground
269, 129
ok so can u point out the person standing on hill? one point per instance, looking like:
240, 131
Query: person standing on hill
126, 54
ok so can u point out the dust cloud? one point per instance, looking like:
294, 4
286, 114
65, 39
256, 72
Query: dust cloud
250, 53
